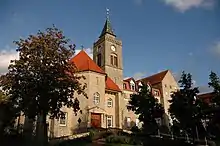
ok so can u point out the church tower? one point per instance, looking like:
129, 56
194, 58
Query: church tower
107, 53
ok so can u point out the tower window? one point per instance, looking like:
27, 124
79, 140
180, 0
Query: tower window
114, 60
99, 60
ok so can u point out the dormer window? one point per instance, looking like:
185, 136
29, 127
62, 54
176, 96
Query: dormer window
156, 93
148, 87
132, 85
124, 85
139, 86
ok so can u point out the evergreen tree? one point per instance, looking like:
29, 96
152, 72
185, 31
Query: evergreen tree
214, 124
43, 79
147, 107
185, 107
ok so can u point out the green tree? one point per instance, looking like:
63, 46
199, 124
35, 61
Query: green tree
43, 79
8, 114
214, 111
185, 107
147, 107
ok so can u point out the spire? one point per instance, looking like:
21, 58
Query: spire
107, 27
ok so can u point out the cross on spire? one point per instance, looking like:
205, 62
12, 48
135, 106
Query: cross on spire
82, 47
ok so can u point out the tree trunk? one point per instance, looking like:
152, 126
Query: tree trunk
28, 130
41, 130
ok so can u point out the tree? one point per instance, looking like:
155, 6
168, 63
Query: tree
185, 107
147, 107
214, 111
43, 79
8, 114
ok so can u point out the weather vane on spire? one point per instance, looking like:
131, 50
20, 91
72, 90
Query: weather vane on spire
107, 13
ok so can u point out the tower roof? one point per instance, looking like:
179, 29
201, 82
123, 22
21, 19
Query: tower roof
107, 27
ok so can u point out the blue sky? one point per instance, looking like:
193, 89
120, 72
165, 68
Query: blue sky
157, 34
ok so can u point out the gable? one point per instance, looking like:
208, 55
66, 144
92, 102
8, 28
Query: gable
84, 63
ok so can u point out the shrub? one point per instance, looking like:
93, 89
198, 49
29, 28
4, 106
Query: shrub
116, 139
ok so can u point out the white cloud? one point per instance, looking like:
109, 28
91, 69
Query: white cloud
216, 48
89, 51
190, 54
138, 2
184, 5
5, 58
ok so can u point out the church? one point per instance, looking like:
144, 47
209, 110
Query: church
108, 92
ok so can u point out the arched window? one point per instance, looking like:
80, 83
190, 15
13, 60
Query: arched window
109, 102
99, 60
96, 98
114, 60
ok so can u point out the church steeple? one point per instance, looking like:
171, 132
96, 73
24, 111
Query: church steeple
107, 29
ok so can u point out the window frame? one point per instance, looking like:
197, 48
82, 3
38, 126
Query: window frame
128, 121
96, 97
99, 59
109, 101
65, 119
109, 118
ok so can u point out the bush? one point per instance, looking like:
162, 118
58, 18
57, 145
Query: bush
116, 139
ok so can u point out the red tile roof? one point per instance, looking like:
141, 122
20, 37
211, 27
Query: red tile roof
156, 78
84, 63
206, 97
109, 84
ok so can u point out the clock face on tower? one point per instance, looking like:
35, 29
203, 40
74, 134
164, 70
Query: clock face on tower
113, 48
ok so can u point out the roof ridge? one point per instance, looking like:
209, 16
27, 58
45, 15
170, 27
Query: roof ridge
156, 74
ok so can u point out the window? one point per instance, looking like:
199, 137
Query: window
63, 119
139, 86
96, 98
99, 49
137, 122
156, 93
109, 102
128, 121
115, 80
99, 62
124, 86
97, 80
158, 120
109, 121
132, 85
170, 87
165, 85
114, 59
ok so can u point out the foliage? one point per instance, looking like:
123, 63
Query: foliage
186, 110
147, 107
214, 125
120, 139
43, 79
8, 114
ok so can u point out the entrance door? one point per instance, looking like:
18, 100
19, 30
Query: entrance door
95, 120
